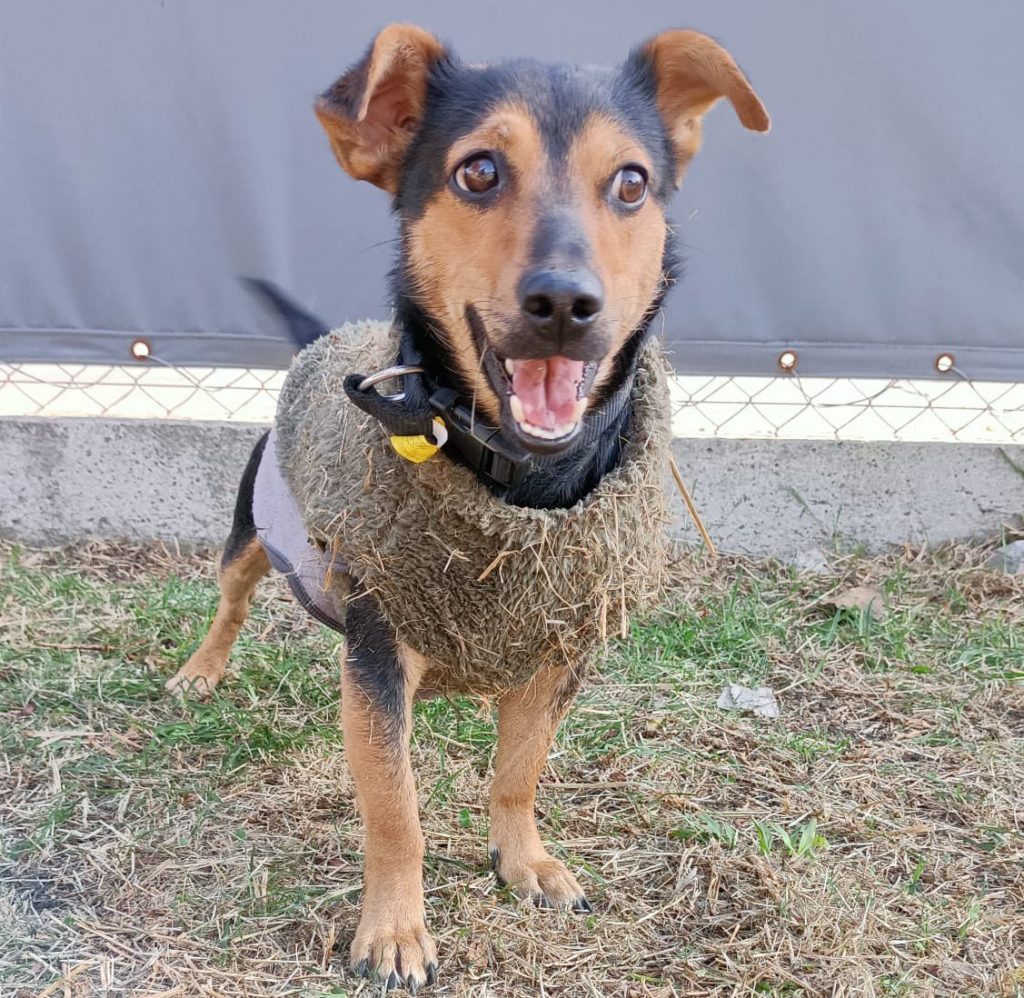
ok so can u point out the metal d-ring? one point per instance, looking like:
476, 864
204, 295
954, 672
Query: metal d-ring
398, 371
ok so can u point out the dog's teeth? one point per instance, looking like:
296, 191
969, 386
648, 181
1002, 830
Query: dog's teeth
515, 405
510, 367
577, 413
561, 430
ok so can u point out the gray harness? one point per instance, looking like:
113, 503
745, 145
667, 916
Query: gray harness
283, 536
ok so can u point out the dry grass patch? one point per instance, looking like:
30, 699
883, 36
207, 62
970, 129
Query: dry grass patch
868, 842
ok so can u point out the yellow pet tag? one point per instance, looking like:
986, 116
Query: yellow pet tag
420, 448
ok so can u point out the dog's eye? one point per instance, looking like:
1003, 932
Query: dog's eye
630, 185
477, 175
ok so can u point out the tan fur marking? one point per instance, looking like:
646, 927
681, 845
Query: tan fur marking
204, 670
628, 248
693, 73
392, 928
459, 254
371, 112
510, 129
527, 720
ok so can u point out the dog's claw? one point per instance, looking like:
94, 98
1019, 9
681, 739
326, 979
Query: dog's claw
394, 957
540, 877
411, 983
495, 855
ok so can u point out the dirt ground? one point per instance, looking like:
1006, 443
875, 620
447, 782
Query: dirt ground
867, 842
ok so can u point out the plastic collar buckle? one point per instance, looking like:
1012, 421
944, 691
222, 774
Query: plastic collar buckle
483, 447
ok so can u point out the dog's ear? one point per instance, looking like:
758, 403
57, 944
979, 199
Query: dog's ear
371, 113
690, 72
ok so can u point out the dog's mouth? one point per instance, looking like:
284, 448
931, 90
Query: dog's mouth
543, 399
548, 396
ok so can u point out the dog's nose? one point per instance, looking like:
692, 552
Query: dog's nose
561, 303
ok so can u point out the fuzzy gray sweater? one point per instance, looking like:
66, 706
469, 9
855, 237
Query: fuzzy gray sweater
488, 592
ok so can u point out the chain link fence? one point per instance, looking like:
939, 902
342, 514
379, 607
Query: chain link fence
787, 407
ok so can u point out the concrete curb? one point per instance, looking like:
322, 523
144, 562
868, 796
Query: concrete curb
64, 480
783, 497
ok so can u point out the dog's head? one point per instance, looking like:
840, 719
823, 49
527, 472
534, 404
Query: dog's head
532, 204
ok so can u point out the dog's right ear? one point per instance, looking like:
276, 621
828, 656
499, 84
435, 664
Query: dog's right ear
371, 113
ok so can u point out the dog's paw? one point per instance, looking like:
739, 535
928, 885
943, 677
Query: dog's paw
540, 877
396, 954
196, 679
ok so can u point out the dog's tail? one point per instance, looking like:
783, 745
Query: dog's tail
303, 327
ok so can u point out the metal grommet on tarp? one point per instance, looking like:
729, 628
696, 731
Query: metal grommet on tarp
788, 360
141, 349
944, 363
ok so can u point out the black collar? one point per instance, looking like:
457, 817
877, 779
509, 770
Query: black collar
482, 448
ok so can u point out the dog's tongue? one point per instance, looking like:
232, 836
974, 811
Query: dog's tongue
548, 390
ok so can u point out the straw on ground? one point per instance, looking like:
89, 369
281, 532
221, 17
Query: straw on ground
867, 843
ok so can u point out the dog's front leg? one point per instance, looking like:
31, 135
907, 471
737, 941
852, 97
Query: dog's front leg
379, 680
527, 720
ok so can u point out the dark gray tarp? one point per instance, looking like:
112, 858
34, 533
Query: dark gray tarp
151, 151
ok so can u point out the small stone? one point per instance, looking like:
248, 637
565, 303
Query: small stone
812, 560
1009, 559
759, 701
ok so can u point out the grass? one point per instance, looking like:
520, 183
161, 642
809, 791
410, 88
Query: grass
869, 842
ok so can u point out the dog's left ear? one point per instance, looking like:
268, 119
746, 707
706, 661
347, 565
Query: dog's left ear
371, 113
690, 72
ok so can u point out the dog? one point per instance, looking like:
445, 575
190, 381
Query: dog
534, 253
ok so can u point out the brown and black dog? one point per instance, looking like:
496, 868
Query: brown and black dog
534, 253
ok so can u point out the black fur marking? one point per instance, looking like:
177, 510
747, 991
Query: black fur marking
346, 93
373, 659
303, 327
243, 528
559, 240
566, 690
638, 77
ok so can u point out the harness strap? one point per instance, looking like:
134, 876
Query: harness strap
401, 416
